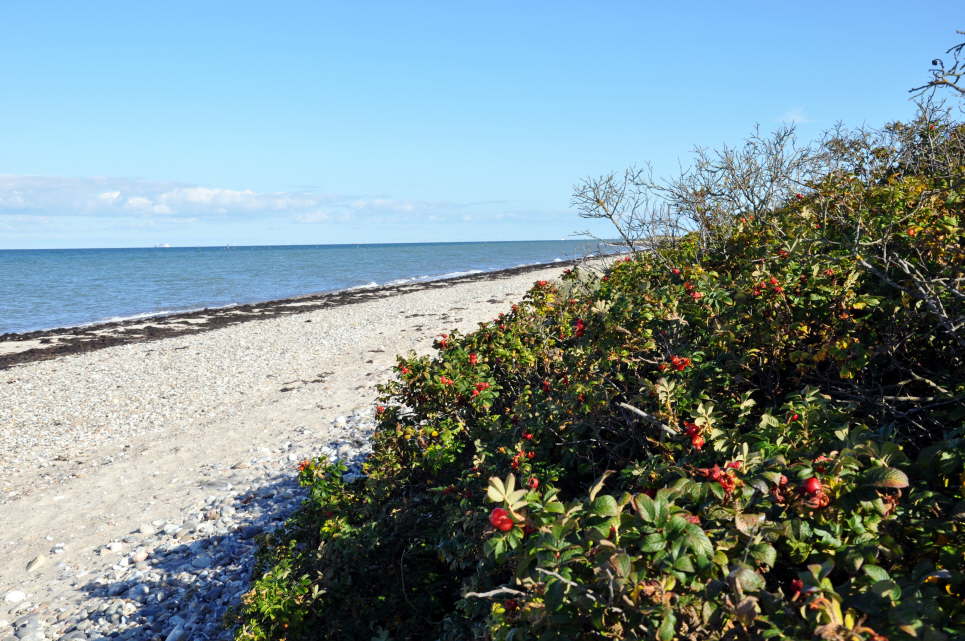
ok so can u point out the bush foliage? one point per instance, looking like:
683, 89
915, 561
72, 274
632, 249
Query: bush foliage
747, 434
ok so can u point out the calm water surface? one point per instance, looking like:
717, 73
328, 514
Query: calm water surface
46, 288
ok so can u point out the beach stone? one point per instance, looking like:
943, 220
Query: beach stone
14, 596
177, 634
139, 555
202, 561
36, 562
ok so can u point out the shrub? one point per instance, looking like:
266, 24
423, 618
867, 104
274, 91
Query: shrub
755, 438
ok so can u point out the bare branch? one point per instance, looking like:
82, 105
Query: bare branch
653, 420
946, 77
492, 593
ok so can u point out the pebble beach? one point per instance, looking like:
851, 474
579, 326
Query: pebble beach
136, 478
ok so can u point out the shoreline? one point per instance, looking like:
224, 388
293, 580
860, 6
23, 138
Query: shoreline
17, 348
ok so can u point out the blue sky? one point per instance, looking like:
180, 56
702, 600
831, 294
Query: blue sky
195, 123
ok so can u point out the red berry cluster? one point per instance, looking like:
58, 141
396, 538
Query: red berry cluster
579, 327
693, 431
726, 477
519, 456
479, 388
692, 291
761, 287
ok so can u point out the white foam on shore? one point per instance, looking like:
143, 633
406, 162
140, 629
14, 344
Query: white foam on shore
425, 278
369, 285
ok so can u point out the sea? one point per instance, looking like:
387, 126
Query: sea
52, 288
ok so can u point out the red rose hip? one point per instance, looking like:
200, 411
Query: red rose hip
812, 486
501, 520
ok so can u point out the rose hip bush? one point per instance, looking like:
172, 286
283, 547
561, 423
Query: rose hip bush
758, 440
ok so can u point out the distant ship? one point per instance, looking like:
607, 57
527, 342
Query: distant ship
163, 245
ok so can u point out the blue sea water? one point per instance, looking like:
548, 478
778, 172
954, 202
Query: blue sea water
47, 288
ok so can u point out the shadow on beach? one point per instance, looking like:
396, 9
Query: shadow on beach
187, 582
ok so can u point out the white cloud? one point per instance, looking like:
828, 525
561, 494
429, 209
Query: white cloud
387, 204
138, 202
95, 196
313, 217
131, 199
795, 116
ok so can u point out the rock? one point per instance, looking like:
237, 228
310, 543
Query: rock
14, 596
201, 561
139, 555
36, 562
28, 620
212, 515
177, 634
240, 465
115, 546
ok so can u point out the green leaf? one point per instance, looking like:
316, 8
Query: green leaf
764, 553
684, 564
653, 543
666, 630
649, 509
746, 580
876, 573
605, 505
773, 477
885, 477
768, 421
887, 590
554, 507
697, 540
621, 564
677, 525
